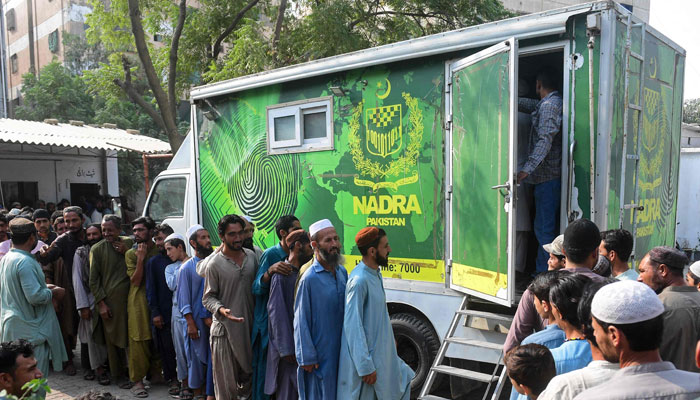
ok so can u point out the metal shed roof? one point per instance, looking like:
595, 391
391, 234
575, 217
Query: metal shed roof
68, 135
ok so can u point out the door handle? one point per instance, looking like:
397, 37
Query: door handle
503, 186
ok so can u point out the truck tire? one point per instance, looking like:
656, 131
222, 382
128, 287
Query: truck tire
417, 344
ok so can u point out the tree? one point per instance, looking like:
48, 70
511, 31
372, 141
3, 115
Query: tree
691, 111
55, 94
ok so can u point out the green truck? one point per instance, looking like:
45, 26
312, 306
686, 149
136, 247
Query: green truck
420, 138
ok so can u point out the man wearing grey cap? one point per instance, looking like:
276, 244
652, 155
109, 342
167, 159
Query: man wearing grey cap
628, 326
662, 270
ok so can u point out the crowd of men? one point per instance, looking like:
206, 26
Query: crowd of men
578, 334
232, 323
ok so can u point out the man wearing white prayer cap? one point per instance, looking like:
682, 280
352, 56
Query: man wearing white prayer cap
662, 270
628, 326
693, 275
318, 316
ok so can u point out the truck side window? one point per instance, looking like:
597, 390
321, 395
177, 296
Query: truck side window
168, 199
300, 126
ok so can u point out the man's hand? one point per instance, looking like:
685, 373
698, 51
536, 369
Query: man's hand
141, 250
44, 249
158, 322
280, 267
290, 359
119, 246
192, 330
370, 379
58, 293
226, 312
105, 312
309, 368
521, 176
85, 313
207, 322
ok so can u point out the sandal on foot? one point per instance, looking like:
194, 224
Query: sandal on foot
126, 385
89, 375
69, 369
103, 379
173, 387
186, 394
139, 392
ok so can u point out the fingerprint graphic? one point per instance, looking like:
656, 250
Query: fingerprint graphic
266, 187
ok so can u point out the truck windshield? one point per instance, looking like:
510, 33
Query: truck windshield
168, 199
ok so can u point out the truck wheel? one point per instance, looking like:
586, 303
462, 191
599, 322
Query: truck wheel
417, 344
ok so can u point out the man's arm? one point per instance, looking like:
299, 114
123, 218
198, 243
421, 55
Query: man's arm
353, 327
135, 263
51, 253
171, 276
548, 126
304, 346
527, 105
35, 291
95, 278
525, 322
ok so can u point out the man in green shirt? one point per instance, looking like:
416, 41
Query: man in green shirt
109, 284
141, 354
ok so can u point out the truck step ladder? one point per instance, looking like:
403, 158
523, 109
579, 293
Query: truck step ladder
498, 375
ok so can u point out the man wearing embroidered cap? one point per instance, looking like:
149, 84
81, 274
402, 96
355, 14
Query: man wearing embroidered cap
628, 327
318, 316
176, 249
662, 270
281, 371
369, 366
190, 289
26, 300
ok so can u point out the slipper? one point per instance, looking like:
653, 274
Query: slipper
89, 375
138, 392
70, 369
173, 387
186, 394
126, 385
103, 379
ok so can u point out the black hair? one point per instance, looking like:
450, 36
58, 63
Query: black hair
584, 308
581, 238
19, 239
95, 225
164, 229
55, 215
565, 294
548, 77
9, 351
226, 220
113, 219
374, 243
674, 259
543, 282
175, 242
530, 365
3, 218
641, 336
145, 221
620, 241
284, 223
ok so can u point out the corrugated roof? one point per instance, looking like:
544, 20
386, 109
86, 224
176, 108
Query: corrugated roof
87, 137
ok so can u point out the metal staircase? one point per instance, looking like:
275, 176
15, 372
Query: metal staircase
498, 376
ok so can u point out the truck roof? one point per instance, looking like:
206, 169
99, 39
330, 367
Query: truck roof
523, 27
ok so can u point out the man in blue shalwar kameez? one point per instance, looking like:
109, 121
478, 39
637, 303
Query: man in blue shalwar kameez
270, 264
318, 316
190, 289
369, 366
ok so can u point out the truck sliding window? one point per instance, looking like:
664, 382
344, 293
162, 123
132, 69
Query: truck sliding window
168, 199
300, 126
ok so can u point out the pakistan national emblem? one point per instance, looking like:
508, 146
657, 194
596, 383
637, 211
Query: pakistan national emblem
384, 131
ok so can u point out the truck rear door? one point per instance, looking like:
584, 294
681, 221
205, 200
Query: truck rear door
482, 107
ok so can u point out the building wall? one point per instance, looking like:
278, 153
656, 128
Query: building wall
640, 8
29, 41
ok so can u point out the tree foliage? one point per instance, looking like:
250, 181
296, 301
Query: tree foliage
691, 111
225, 39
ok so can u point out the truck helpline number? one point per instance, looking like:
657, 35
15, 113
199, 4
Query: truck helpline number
406, 268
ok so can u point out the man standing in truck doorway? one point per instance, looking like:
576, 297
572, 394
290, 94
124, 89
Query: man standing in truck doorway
543, 166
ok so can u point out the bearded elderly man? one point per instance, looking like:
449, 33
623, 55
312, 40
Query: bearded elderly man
318, 316
369, 366
662, 270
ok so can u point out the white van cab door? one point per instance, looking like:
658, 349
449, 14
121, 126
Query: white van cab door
166, 202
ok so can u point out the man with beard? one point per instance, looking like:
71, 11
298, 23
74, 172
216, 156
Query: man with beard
177, 252
109, 283
249, 232
92, 354
160, 303
369, 366
662, 270
190, 289
228, 296
59, 225
281, 371
57, 262
628, 327
141, 355
26, 300
270, 264
43, 226
318, 316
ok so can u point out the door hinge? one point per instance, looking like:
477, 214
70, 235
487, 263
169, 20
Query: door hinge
448, 122
448, 265
448, 192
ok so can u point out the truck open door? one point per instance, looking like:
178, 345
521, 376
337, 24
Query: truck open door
482, 114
